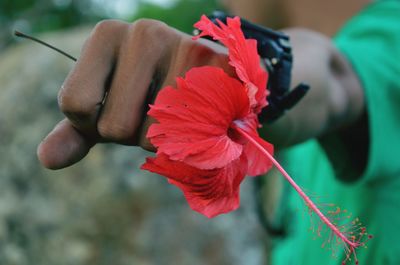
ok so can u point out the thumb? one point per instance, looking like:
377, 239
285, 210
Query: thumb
64, 146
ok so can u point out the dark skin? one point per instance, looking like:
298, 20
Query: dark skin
92, 117
104, 95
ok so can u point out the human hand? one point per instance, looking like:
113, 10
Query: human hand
120, 70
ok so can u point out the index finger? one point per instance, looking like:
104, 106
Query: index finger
83, 91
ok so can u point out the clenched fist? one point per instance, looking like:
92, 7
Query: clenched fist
120, 70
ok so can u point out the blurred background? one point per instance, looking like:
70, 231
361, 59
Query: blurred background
36, 16
103, 210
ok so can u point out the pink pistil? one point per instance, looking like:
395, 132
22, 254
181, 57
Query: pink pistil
351, 244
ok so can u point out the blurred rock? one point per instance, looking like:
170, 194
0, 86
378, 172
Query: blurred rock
103, 210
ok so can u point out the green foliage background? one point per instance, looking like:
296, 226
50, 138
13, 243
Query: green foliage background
182, 15
36, 16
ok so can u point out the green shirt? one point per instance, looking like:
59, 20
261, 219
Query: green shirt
371, 42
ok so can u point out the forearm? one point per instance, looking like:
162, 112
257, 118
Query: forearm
335, 99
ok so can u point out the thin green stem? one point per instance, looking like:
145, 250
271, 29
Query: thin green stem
23, 35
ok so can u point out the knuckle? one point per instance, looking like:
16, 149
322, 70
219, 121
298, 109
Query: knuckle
74, 106
107, 27
66, 102
150, 30
115, 131
146, 23
106, 32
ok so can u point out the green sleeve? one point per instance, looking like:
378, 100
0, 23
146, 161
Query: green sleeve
371, 42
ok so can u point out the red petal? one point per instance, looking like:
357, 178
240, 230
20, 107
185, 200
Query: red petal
258, 163
243, 57
209, 192
193, 119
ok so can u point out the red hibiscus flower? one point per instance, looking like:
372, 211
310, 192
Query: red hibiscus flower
198, 148
206, 134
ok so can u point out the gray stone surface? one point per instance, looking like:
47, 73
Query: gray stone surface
103, 210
